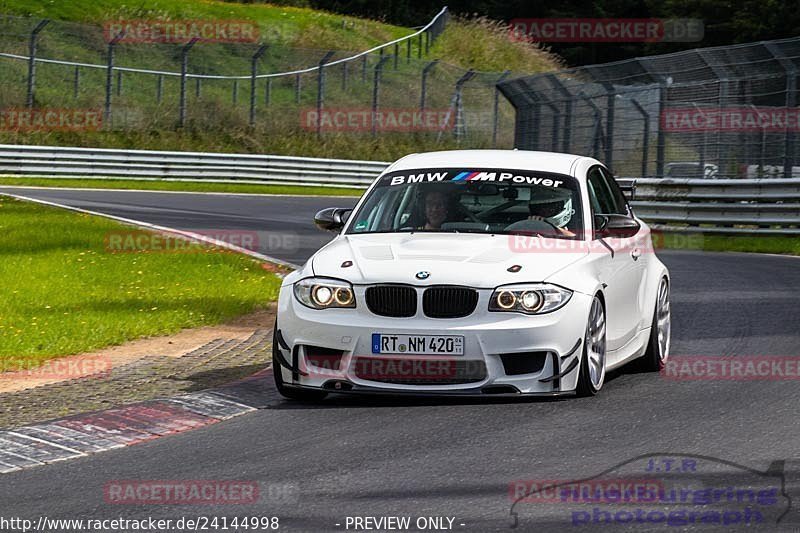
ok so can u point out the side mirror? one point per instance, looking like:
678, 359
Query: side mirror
332, 218
615, 226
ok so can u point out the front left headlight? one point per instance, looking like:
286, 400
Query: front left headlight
325, 293
529, 298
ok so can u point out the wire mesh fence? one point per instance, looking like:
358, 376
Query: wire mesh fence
395, 89
723, 112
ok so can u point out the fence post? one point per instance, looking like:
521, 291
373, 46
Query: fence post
661, 140
321, 88
521, 134
496, 115
556, 127
345, 69
598, 124
556, 83
76, 82
701, 153
419, 47
268, 92
119, 83
459, 129
110, 77
645, 134
424, 84
235, 93
611, 103
159, 88
396, 54
32, 46
408, 50
723, 76
197, 87
610, 110
790, 102
184, 67
253, 73
376, 93
297, 85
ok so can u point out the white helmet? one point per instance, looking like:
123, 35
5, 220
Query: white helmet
553, 205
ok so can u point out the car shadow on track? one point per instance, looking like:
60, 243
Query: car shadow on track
355, 401
258, 391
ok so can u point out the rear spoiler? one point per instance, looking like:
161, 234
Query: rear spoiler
628, 187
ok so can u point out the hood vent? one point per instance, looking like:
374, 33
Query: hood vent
377, 253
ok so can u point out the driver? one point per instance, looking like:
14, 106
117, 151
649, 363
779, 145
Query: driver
551, 207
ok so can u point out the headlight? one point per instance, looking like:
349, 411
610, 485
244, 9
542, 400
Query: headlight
531, 299
324, 293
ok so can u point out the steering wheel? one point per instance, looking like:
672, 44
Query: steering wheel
525, 226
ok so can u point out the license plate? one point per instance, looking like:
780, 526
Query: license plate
417, 344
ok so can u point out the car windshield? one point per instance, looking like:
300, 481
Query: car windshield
492, 201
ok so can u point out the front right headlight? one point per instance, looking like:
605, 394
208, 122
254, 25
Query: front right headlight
325, 293
529, 298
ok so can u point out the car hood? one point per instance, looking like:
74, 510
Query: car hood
473, 260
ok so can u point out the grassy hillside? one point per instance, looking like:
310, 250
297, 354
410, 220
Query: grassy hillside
146, 109
294, 26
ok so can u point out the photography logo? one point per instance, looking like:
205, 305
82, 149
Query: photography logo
661, 491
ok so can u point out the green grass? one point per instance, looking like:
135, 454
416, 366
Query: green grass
766, 244
64, 293
488, 48
89, 183
295, 26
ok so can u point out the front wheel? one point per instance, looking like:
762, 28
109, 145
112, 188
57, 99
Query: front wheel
593, 363
288, 392
657, 353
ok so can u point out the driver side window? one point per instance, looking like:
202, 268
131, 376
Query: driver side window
600, 196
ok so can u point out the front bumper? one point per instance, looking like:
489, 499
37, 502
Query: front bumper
490, 339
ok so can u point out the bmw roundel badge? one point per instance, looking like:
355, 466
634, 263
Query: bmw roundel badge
423, 274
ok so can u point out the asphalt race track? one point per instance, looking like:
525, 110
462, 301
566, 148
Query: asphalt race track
455, 458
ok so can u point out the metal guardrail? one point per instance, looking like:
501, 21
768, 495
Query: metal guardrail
728, 206
766, 206
55, 162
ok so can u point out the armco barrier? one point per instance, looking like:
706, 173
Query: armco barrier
56, 162
733, 206
766, 206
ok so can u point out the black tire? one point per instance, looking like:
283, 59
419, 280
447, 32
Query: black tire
288, 392
585, 386
652, 361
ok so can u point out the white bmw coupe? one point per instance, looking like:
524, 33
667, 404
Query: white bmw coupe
475, 272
